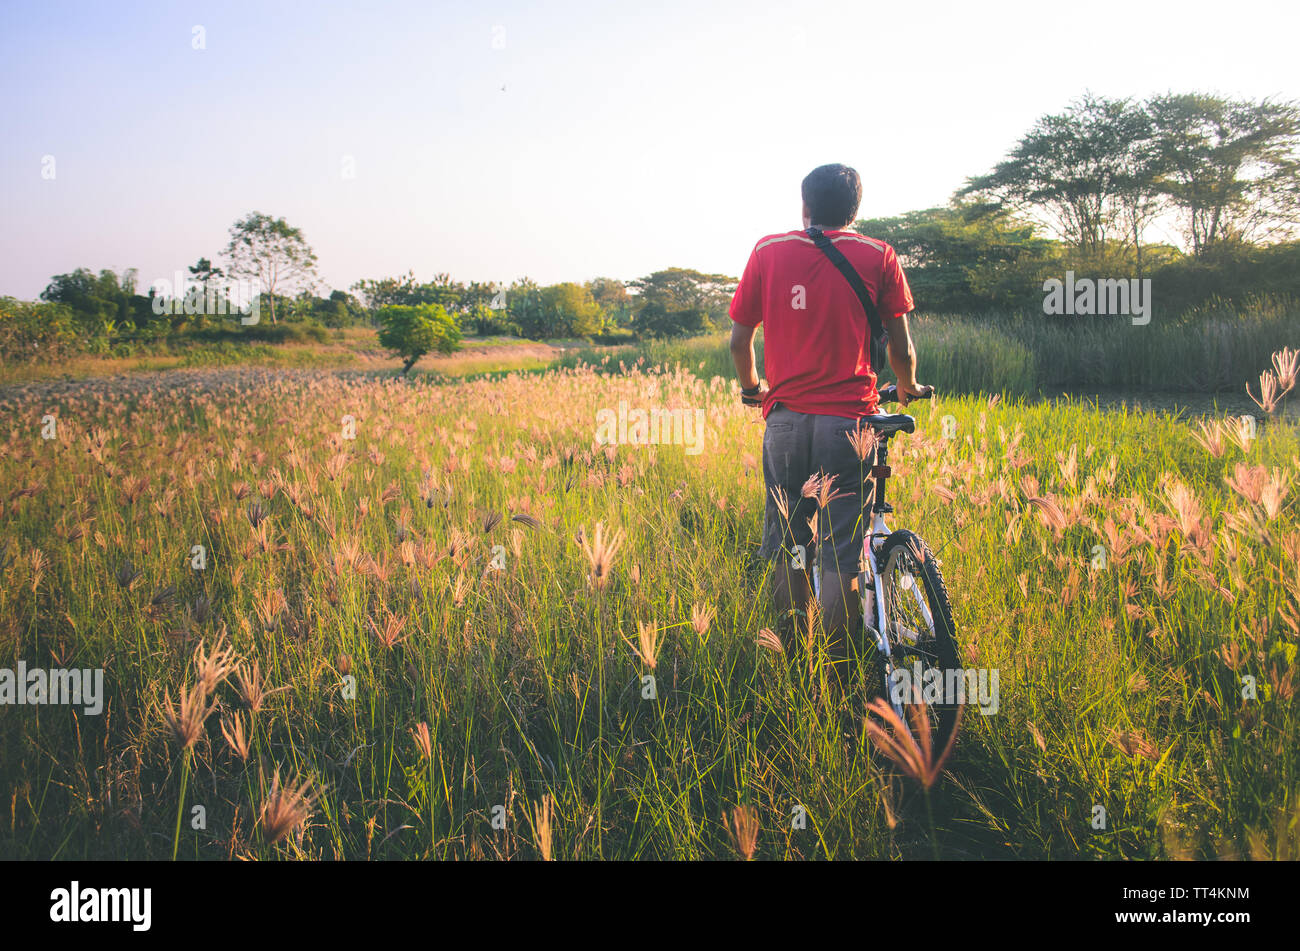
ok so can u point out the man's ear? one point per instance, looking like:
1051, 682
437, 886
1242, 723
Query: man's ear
807, 215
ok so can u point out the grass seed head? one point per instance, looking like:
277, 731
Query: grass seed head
236, 736
185, 721
284, 809
742, 827
600, 550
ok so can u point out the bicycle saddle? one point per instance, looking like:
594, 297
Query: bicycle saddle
887, 424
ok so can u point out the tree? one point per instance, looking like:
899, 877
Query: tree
412, 331
407, 291
967, 257
1137, 188
1076, 168
388, 291
206, 276
653, 320
568, 310
272, 253
485, 321
612, 298
340, 309
478, 292
526, 309
679, 289
99, 302
1229, 166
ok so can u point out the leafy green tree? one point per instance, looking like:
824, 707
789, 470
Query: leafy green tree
271, 252
486, 322
412, 331
100, 303
1229, 166
653, 320
383, 292
679, 289
331, 312
206, 275
478, 292
1073, 167
967, 257
570, 311
443, 291
1137, 183
407, 291
612, 298
340, 309
526, 309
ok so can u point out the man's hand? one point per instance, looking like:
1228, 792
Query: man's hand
910, 391
754, 396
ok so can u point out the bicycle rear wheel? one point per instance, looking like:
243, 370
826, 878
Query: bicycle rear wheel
920, 628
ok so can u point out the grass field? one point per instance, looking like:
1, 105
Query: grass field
424, 625
355, 348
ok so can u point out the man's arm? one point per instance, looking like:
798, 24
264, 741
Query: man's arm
746, 312
902, 357
742, 354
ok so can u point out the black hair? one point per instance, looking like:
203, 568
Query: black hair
832, 194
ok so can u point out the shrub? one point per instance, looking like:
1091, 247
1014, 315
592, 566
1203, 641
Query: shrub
37, 332
411, 332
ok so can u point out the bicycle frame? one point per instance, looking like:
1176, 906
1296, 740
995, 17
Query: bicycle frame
870, 577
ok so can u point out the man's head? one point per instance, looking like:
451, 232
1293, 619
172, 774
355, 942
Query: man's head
831, 195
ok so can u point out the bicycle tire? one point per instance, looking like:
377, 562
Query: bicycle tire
906, 551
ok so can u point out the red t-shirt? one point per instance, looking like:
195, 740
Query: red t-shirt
816, 350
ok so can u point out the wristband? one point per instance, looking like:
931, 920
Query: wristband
751, 391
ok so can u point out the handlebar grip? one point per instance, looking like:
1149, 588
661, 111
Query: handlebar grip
889, 394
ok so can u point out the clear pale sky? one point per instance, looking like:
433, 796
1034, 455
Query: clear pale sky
627, 138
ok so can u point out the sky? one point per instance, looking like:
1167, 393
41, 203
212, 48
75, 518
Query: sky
559, 141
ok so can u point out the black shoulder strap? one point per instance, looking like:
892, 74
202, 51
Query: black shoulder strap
854, 278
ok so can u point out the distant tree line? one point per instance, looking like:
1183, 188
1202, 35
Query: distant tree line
1091, 188
105, 313
1200, 193
672, 302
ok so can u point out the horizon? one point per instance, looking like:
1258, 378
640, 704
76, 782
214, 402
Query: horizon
702, 114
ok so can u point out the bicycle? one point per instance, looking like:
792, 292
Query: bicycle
913, 621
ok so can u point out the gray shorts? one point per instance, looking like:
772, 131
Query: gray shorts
795, 447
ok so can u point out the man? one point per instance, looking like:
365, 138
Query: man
820, 382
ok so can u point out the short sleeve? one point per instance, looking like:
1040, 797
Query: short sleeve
747, 302
895, 296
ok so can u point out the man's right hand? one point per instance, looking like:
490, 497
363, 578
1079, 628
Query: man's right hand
910, 391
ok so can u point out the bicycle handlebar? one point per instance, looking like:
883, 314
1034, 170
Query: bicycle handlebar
889, 394
886, 394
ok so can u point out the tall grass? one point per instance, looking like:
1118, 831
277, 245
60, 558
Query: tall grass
1215, 348
364, 576
1211, 349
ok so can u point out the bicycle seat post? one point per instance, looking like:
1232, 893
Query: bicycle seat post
880, 472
